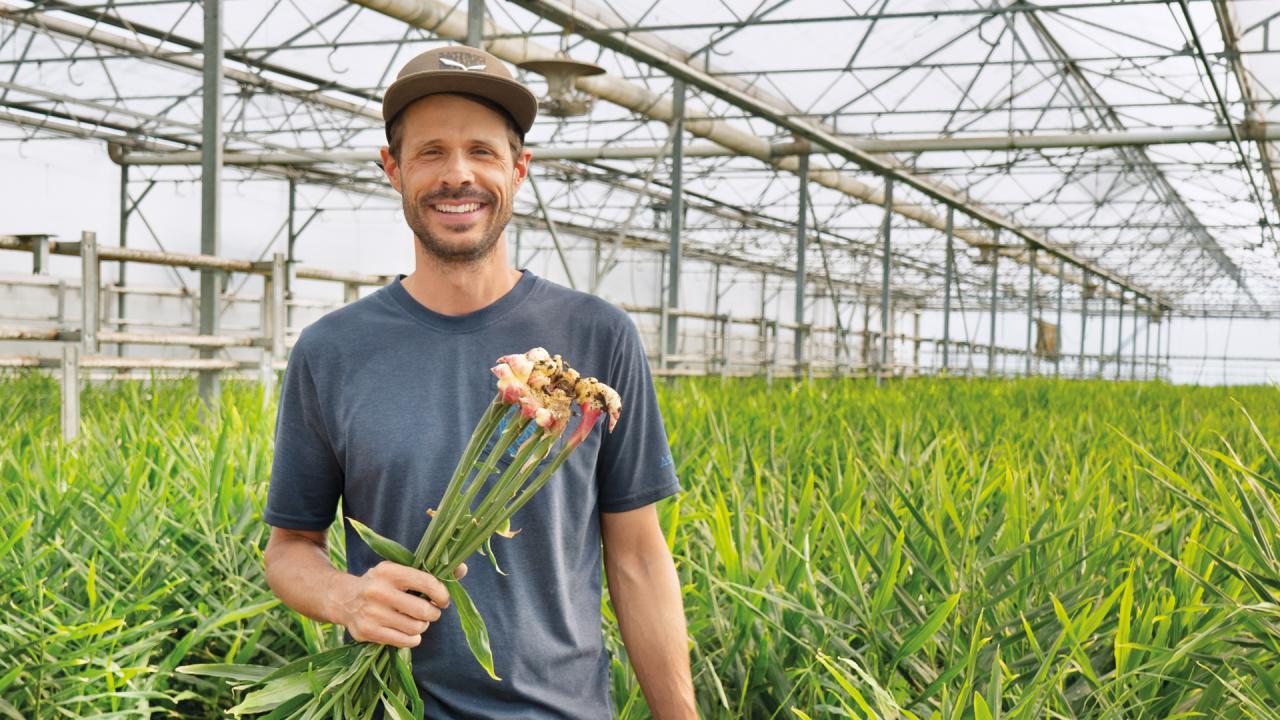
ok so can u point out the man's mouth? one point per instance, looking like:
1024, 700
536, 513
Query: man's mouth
457, 209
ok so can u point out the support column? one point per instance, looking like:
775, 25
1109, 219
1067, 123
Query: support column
475, 23
40, 255
290, 257
211, 189
1084, 315
948, 271
1031, 313
1133, 347
1102, 330
70, 408
1146, 345
1057, 340
1168, 349
866, 334
885, 308
715, 349
1120, 337
677, 213
995, 301
664, 311
1159, 338
121, 268
915, 343
801, 225
764, 327
90, 285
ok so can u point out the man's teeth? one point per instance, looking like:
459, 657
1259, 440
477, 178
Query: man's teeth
469, 207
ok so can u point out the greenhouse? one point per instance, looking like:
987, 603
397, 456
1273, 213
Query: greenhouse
936, 345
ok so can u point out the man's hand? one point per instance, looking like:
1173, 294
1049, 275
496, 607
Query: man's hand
380, 606
392, 604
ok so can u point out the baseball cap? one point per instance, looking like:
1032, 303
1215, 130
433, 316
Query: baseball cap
460, 69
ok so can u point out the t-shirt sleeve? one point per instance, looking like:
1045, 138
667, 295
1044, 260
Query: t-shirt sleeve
306, 478
635, 467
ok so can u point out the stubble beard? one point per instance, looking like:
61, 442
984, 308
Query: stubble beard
415, 214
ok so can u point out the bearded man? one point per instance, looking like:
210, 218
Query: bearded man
381, 396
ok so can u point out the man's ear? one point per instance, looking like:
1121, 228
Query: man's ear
521, 167
390, 167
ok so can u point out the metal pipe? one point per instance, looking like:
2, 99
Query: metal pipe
1146, 349
801, 223
995, 299
1120, 339
1256, 131
948, 268
676, 211
211, 188
1084, 318
1031, 310
446, 21
1102, 332
70, 407
886, 312
89, 288
1057, 339
122, 242
475, 23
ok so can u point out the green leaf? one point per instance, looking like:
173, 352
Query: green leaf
921, 634
277, 692
473, 627
386, 548
230, 671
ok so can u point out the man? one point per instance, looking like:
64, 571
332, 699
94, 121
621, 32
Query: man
379, 400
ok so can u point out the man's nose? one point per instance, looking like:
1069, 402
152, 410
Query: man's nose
457, 170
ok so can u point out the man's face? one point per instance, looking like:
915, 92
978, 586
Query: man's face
456, 176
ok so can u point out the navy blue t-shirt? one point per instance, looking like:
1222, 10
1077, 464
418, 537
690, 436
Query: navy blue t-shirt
378, 402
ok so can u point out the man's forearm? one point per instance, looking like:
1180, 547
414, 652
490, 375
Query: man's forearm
645, 592
301, 575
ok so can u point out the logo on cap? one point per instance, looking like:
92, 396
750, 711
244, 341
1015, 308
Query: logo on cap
461, 61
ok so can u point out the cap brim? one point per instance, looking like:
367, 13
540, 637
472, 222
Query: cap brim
511, 95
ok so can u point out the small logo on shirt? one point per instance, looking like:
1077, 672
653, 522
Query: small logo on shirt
667, 461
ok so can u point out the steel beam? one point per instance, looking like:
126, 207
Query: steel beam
801, 223
211, 190
1253, 115
676, 211
886, 311
1057, 331
1255, 131
475, 23
995, 301
446, 21
1031, 311
948, 268
1102, 332
1084, 320
123, 241
1120, 339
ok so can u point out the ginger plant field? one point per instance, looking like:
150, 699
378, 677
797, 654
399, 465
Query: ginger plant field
931, 549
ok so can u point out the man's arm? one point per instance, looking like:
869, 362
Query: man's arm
374, 607
645, 592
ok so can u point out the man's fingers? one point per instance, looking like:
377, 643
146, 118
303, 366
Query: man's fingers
409, 579
460, 571
414, 607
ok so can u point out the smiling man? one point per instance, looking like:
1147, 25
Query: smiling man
380, 398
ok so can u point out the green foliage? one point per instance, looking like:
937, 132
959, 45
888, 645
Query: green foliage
932, 549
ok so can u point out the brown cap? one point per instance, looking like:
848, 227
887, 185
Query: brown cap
460, 69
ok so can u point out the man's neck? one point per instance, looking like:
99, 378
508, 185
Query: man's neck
460, 289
